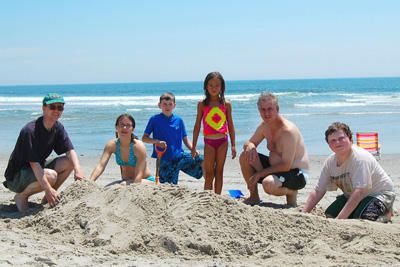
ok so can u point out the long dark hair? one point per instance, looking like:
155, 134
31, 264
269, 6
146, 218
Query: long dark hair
210, 76
129, 118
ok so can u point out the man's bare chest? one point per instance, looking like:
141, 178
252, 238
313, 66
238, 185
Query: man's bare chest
274, 145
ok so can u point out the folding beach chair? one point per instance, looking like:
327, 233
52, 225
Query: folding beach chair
369, 141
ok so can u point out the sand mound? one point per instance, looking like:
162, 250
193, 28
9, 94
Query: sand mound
180, 222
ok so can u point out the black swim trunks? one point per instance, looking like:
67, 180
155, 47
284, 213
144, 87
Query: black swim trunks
292, 179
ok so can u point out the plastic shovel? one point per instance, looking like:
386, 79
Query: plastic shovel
236, 193
159, 154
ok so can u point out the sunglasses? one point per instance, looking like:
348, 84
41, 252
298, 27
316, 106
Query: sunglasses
54, 107
128, 126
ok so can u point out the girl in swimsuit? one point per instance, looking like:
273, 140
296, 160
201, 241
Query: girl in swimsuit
216, 113
130, 154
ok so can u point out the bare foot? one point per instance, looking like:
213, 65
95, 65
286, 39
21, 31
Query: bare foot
21, 202
251, 201
291, 199
385, 218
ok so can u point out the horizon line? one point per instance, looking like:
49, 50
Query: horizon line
288, 79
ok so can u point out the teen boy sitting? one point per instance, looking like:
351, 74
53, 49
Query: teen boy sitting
368, 192
169, 131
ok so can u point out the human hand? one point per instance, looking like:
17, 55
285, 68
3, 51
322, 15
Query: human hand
251, 155
52, 197
162, 144
79, 176
233, 149
193, 152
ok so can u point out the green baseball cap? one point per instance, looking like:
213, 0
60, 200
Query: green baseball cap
53, 98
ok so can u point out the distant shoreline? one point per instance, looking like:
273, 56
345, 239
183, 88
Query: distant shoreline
227, 81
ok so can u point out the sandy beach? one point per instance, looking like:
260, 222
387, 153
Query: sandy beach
183, 225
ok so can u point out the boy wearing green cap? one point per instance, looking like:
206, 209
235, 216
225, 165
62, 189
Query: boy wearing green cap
28, 172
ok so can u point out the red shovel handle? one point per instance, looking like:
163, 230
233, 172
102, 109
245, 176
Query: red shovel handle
160, 152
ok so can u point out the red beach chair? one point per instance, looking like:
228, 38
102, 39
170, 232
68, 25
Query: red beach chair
369, 141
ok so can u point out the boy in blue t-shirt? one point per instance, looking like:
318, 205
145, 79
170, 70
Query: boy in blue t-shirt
169, 129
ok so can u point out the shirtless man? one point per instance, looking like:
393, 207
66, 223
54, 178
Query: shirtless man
285, 171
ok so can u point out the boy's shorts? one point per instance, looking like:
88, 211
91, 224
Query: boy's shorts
293, 179
169, 170
26, 176
369, 208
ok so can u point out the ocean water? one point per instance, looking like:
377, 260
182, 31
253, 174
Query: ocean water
366, 104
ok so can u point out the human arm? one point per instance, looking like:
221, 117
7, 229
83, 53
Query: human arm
140, 154
73, 158
100, 167
147, 139
197, 127
313, 200
189, 145
231, 128
50, 193
250, 146
251, 155
355, 198
287, 142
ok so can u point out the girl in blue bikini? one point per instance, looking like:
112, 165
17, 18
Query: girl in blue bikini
130, 154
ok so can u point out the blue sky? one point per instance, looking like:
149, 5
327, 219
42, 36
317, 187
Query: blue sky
69, 42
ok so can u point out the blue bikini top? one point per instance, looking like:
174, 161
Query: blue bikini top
132, 158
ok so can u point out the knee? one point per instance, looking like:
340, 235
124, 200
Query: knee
245, 164
64, 165
69, 166
268, 184
51, 176
242, 159
219, 173
208, 174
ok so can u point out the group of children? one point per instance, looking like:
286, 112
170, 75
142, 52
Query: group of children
168, 131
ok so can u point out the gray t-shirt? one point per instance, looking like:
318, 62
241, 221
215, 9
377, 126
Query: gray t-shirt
360, 170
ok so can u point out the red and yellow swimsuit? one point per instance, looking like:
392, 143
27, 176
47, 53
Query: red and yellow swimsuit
214, 120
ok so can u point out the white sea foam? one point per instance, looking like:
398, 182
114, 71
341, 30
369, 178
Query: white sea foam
376, 100
179, 98
142, 109
23, 100
242, 97
330, 104
350, 99
360, 104
339, 113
